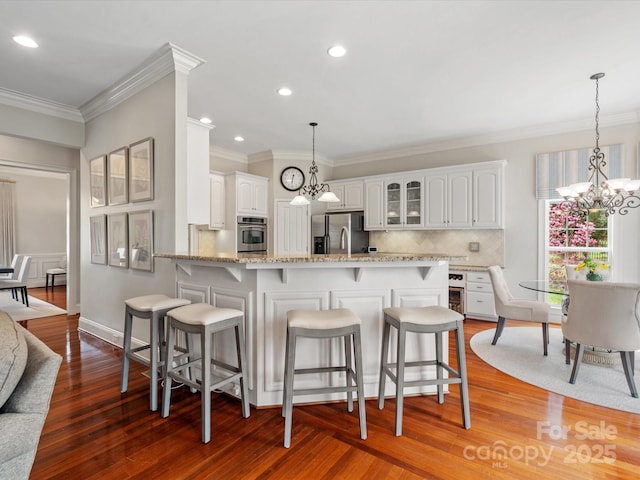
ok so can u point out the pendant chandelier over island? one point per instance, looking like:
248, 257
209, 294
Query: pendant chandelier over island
314, 189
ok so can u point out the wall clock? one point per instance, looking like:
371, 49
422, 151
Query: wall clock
292, 178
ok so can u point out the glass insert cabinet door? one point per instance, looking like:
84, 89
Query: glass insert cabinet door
413, 195
404, 203
394, 203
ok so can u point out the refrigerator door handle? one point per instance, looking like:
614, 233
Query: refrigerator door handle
344, 234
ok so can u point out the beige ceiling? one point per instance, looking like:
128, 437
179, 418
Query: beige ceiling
416, 72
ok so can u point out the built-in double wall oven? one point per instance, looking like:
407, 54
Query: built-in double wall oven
252, 235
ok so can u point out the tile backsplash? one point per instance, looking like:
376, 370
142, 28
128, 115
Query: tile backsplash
204, 242
453, 242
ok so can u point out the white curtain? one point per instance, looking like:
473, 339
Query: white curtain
7, 221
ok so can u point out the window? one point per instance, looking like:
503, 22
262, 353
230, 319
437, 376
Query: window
570, 239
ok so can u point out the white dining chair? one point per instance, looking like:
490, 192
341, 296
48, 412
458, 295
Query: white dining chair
508, 307
13, 275
20, 283
604, 315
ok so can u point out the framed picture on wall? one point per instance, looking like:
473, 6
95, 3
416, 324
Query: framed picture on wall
141, 240
98, 181
141, 170
118, 240
98, 232
118, 176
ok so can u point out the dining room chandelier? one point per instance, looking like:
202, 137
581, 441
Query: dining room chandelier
314, 188
617, 195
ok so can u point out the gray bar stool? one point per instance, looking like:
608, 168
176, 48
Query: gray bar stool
434, 319
339, 322
152, 308
205, 320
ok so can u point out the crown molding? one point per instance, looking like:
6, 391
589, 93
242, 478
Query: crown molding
291, 156
39, 105
183, 61
260, 156
226, 154
166, 59
492, 138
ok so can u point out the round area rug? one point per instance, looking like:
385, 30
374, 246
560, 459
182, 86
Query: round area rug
519, 353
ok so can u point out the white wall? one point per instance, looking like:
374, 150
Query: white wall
39, 126
149, 113
41, 211
22, 152
521, 233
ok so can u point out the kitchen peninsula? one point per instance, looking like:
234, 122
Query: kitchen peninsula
265, 287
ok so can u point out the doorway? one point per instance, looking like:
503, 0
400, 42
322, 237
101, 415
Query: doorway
45, 220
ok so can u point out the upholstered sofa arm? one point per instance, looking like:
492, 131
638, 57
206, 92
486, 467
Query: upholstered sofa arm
33, 392
20, 434
23, 414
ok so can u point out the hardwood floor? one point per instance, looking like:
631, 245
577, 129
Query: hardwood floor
92, 431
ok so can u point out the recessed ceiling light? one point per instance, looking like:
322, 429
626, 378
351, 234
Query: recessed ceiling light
25, 41
206, 120
238, 138
284, 91
337, 51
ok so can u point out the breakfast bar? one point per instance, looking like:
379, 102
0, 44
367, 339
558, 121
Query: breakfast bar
265, 287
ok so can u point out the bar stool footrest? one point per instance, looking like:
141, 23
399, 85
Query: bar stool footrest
311, 391
324, 370
446, 366
198, 384
432, 381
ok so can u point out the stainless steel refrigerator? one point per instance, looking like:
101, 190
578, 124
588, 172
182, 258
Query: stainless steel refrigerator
339, 233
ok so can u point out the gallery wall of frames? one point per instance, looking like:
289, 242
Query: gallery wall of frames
123, 177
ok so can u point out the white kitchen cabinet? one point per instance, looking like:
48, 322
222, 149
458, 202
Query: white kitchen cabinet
217, 202
465, 198
404, 203
374, 205
436, 210
251, 194
351, 195
393, 203
488, 207
479, 296
459, 199
292, 229
245, 195
197, 173
448, 200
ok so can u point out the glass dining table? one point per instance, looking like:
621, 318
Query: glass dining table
558, 287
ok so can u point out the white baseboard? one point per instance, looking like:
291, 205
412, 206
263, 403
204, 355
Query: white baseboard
109, 335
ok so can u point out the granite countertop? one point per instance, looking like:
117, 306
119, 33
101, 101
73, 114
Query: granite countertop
468, 268
331, 258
